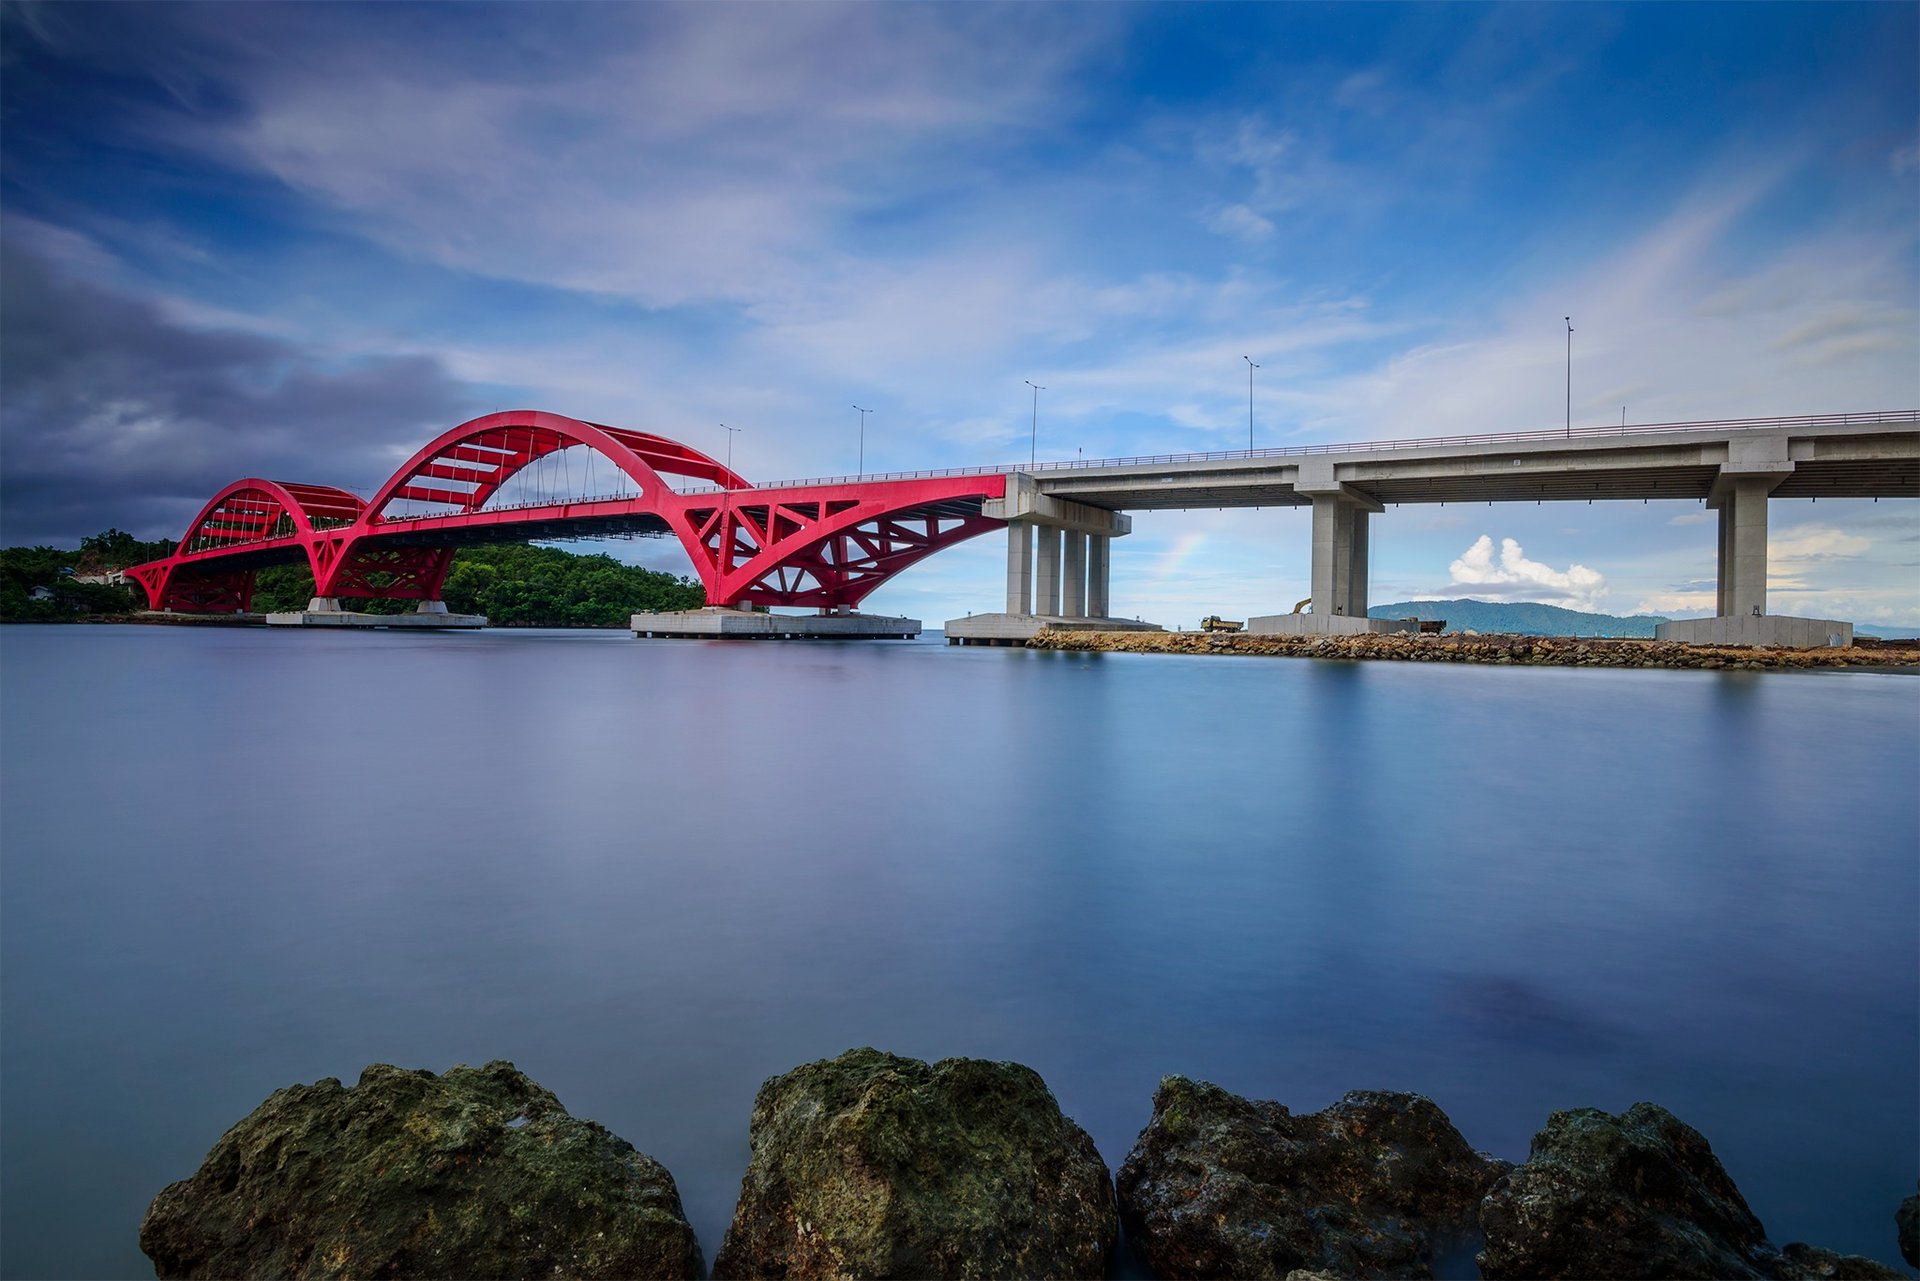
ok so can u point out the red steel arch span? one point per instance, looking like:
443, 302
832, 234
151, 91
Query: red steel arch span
825, 546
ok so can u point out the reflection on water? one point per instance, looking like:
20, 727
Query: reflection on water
653, 874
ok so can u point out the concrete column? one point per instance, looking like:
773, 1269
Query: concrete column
1357, 565
1073, 576
1046, 586
1721, 577
1099, 559
1019, 568
1745, 510
1332, 554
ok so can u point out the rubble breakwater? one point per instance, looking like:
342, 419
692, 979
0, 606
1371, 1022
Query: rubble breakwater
1541, 651
874, 1165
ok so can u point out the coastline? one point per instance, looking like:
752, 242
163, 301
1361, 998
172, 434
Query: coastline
1503, 649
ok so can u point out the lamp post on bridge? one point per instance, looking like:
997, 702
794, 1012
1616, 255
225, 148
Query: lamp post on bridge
863, 441
1250, 368
726, 509
1033, 436
1570, 378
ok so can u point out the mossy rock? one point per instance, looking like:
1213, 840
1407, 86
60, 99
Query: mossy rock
872, 1165
1640, 1194
476, 1173
1377, 1185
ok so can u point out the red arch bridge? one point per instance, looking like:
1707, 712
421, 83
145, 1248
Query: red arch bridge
527, 475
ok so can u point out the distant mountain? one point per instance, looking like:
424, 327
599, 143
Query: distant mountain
1524, 618
1888, 631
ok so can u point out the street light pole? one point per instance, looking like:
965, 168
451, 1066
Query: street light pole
726, 516
1569, 377
1033, 435
1250, 368
863, 439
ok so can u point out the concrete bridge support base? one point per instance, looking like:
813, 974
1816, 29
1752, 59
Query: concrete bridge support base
1775, 631
719, 622
325, 611
1018, 629
1325, 625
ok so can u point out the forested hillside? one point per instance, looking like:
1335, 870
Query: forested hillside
513, 585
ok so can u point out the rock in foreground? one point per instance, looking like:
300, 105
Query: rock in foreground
870, 1165
1636, 1195
1374, 1186
1907, 1219
477, 1173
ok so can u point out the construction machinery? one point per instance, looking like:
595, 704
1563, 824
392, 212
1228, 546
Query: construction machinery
1215, 623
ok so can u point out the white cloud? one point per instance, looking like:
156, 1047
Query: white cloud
1240, 221
1514, 577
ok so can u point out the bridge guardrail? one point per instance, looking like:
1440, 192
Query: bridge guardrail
1356, 447
1231, 455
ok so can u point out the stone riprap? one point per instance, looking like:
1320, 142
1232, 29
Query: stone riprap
1375, 1186
1536, 651
478, 1172
871, 1165
1640, 1194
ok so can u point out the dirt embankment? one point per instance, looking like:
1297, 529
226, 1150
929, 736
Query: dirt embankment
1557, 651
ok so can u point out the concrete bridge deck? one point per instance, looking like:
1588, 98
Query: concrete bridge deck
1733, 467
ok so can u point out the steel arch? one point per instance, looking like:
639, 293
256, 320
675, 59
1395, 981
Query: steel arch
822, 546
488, 451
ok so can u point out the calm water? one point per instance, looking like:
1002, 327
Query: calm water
654, 873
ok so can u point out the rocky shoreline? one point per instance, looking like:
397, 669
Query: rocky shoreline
1466, 647
873, 1165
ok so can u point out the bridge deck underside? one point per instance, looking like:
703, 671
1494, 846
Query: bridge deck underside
451, 532
1809, 479
247, 559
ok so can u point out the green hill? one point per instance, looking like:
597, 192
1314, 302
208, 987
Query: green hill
1523, 618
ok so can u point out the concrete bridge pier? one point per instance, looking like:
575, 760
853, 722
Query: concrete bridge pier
1059, 565
1047, 583
1073, 577
1341, 519
1099, 562
1754, 468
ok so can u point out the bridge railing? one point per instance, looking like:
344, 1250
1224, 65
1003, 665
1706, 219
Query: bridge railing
1229, 455
1360, 447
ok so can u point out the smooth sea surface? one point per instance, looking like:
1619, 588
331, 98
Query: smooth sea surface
652, 874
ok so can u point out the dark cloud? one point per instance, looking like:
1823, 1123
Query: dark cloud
113, 414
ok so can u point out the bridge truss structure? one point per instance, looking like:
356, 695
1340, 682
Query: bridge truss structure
526, 475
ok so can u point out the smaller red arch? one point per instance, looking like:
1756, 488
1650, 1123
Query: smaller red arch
256, 510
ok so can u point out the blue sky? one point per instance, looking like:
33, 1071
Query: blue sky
298, 241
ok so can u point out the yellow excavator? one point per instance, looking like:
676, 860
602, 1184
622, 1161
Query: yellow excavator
1215, 623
